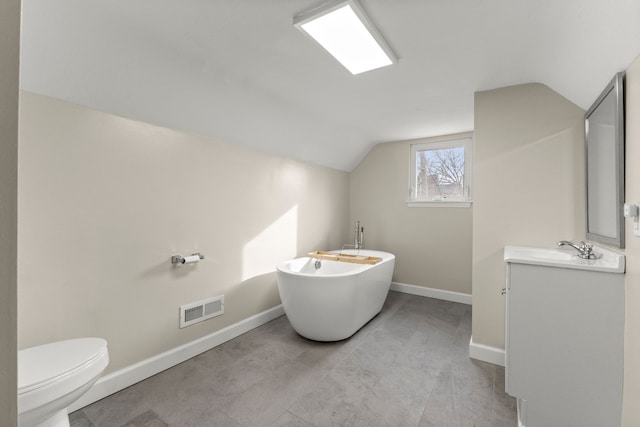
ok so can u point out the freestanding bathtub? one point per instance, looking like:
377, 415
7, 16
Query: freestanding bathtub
334, 301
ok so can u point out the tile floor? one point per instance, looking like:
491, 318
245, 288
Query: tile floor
409, 366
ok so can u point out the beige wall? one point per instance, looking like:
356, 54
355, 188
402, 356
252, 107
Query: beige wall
529, 187
631, 409
432, 245
105, 201
9, 52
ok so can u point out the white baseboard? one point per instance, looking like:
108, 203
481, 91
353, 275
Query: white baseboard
137, 372
431, 293
486, 353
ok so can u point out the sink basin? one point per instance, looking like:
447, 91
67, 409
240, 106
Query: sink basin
607, 260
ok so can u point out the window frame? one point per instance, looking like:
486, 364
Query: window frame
464, 141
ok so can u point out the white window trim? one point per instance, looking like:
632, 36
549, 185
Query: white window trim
461, 140
439, 204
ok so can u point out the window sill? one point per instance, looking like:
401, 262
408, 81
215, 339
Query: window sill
438, 204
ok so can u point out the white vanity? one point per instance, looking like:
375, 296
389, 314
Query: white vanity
564, 336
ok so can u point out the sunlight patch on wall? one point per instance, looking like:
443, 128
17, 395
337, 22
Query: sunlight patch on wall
276, 243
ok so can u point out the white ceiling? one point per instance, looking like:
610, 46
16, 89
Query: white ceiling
238, 71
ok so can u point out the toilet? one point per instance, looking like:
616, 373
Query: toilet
52, 376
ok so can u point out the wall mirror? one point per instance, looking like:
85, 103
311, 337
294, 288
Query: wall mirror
604, 135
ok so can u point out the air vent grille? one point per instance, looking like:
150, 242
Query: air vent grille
193, 313
213, 307
201, 310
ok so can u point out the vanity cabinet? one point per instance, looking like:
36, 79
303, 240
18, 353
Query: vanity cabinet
564, 338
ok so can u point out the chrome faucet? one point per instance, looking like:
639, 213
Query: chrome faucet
359, 236
358, 241
585, 250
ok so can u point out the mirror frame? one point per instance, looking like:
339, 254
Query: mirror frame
616, 86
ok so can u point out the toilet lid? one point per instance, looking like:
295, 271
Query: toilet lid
38, 366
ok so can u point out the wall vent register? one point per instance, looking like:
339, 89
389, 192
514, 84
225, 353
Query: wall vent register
200, 311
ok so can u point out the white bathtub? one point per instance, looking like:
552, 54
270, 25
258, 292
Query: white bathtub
333, 302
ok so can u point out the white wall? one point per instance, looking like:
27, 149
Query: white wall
432, 245
631, 409
529, 187
105, 201
9, 52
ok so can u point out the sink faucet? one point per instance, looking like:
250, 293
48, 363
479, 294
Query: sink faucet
585, 250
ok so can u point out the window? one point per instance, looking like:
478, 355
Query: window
441, 173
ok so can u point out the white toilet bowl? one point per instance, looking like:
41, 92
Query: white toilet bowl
52, 376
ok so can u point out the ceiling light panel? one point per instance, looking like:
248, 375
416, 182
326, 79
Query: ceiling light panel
344, 30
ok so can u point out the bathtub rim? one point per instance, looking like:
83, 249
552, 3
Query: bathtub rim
386, 257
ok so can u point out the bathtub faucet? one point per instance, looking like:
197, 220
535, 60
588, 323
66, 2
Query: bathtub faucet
358, 241
359, 236
585, 250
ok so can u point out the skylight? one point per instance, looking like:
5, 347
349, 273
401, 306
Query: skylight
343, 29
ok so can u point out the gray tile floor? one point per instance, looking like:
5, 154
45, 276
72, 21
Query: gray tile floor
409, 366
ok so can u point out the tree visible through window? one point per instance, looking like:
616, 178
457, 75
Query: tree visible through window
441, 171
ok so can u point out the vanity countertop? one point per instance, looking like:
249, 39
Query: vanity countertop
606, 260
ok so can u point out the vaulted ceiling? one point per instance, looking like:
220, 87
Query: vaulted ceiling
238, 71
